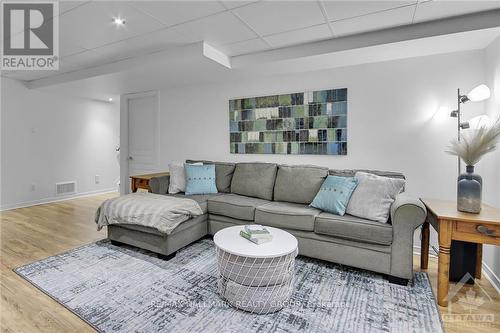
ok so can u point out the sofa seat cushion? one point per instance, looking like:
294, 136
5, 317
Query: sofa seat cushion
192, 222
286, 215
235, 206
201, 199
355, 228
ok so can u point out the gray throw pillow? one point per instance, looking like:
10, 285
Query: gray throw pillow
178, 177
373, 197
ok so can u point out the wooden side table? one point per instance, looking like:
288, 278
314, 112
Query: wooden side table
142, 181
482, 228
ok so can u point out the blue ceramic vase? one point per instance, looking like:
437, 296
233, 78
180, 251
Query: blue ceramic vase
469, 191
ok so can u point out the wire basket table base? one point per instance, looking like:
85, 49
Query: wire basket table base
258, 285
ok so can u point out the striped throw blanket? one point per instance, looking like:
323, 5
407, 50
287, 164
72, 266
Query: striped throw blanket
161, 212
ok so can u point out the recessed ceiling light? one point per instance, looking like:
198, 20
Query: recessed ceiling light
110, 99
118, 21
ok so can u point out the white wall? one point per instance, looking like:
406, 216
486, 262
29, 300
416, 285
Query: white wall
492, 193
392, 120
492, 56
49, 138
390, 117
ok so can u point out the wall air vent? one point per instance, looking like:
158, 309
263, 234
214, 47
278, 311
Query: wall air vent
66, 188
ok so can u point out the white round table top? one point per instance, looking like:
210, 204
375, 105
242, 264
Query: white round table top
229, 240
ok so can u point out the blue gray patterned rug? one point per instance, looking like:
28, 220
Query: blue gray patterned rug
118, 289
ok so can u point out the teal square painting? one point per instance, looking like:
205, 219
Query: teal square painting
312, 122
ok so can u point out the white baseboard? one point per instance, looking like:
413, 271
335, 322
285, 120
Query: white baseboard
54, 199
416, 250
487, 272
492, 277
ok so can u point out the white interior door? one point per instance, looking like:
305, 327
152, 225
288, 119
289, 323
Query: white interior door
143, 134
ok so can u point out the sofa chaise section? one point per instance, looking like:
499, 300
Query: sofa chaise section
155, 241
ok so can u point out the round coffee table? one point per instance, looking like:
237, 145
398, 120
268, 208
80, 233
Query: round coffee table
255, 278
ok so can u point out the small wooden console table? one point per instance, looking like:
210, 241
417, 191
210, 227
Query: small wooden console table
482, 228
142, 181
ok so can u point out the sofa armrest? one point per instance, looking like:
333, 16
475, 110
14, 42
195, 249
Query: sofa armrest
159, 185
407, 214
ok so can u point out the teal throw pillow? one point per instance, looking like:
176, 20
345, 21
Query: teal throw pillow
200, 179
334, 194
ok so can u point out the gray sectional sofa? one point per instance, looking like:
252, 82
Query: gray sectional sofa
279, 196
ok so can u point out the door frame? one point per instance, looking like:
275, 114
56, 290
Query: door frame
124, 138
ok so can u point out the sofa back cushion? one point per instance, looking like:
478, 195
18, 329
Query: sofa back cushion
352, 172
254, 180
223, 174
373, 197
298, 183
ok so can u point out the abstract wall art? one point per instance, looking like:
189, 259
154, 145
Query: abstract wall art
313, 122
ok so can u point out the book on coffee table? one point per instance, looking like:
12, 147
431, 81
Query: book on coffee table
256, 229
257, 238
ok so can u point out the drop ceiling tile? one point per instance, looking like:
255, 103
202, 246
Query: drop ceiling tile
244, 47
154, 41
90, 25
219, 29
67, 48
175, 12
234, 4
300, 36
338, 10
86, 59
65, 66
28, 75
433, 10
280, 16
66, 6
372, 22
9, 74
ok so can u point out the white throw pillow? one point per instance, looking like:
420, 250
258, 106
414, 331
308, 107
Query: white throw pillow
373, 197
177, 177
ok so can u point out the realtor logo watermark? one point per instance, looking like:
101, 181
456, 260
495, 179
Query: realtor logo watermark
30, 35
469, 313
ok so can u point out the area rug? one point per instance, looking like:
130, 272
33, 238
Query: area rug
122, 289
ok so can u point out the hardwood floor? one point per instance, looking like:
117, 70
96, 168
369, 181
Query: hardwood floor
30, 234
